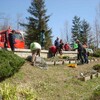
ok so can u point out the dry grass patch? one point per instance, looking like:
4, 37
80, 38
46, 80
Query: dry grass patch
57, 82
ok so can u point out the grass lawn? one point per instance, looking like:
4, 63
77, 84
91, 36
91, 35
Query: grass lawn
56, 83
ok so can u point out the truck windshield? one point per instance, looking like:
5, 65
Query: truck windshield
18, 36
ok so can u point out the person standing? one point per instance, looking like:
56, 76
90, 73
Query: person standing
35, 49
61, 47
85, 54
75, 46
57, 43
12, 40
80, 50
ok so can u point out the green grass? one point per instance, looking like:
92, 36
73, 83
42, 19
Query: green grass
13, 92
55, 83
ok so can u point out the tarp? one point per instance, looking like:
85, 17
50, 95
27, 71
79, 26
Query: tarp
35, 45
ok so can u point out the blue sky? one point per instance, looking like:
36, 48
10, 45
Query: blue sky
61, 11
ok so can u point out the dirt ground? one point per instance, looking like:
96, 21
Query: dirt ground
88, 67
84, 68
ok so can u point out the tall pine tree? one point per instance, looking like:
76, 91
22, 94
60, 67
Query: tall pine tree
37, 27
85, 28
76, 28
80, 30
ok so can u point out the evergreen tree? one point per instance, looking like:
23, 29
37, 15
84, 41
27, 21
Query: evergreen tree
37, 28
76, 28
85, 28
80, 30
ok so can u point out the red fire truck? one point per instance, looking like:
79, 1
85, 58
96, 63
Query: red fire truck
19, 39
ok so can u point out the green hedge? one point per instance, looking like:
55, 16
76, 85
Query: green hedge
96, 53
9, 63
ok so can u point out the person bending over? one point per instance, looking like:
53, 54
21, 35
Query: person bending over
35, 49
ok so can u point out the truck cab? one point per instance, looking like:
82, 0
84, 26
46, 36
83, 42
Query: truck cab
4, 41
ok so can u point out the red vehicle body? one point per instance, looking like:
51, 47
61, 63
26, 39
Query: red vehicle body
19, 39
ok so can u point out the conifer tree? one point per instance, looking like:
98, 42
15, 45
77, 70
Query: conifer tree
85, 28
76, 28
80, 30
37, 28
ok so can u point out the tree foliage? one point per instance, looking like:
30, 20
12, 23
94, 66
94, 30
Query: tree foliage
80, 30
76, 28
37, 24
85, 28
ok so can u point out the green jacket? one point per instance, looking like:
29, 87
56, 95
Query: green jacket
75, 45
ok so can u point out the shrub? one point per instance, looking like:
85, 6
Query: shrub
9, 63
96, 67
90, 57
96, 53
65, 57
